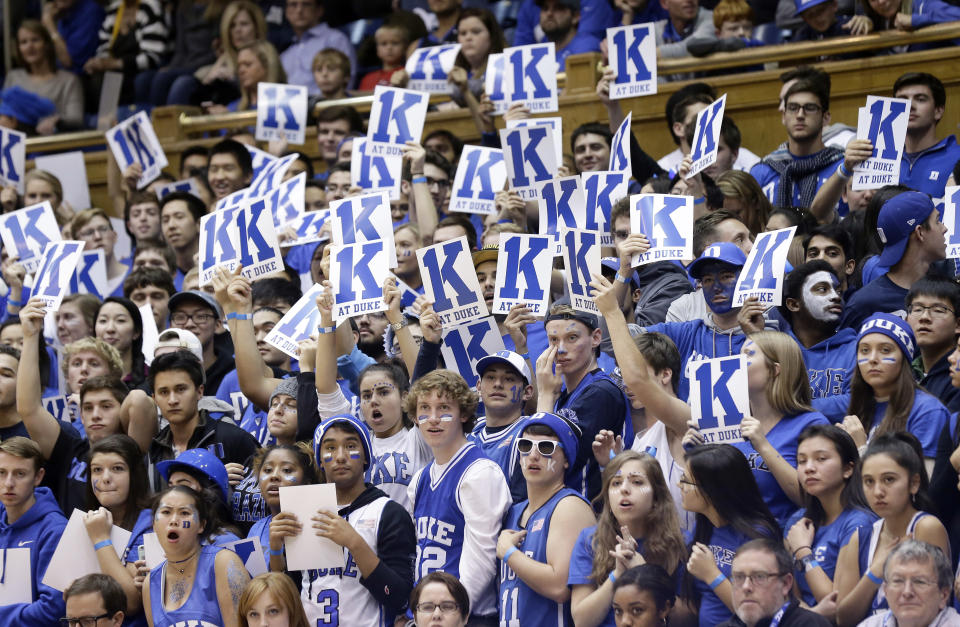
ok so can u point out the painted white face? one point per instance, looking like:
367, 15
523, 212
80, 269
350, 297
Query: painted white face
821, 298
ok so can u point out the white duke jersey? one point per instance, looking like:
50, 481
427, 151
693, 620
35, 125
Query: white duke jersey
396, 460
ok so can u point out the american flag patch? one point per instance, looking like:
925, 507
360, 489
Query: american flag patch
366, 523
537, 526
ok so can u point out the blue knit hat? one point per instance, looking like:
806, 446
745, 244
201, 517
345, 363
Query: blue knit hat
24, 106
356, 424
568, 433
893, 327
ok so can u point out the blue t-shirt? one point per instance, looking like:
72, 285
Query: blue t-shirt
783, 437
927, 417
880, 295
830, 363
581, 42
581, 565
927, 171
827, 542
696, 341
724, 543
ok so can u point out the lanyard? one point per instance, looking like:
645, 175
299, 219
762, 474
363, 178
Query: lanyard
775, 621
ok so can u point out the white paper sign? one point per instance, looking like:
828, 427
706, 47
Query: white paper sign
308, 227
667, 221
297, 324
363, 219
58, 407
602, 190
75, 557
633, 54
706, 136
251, 553
450, 281
523, 273
481, 173
13, 158
260, 159
762, 275
59, 262
218, 237
396, 117
15, 576
530, 157
286, 201
429, 67
463, 346
526, 74
555, 124
718, 397
258, 249
189, 186
281, 113
234, 200
951, 219
91, 274
26, 232
562, 205
71, 170
620, 148
357, 274
375, 173
884, 122
151, 334
270, 176
581, 258
308, 551
109, 99
153, 553
133, 141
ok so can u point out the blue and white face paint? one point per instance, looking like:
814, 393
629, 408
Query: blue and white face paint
718, 283
821, 297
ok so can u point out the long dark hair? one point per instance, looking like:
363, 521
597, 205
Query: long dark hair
137, 364
863, 400
138, 497
852, 494
904, 448
398, 375
202, 505
652, 579
497, 41
303, 454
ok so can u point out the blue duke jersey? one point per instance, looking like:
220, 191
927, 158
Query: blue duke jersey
519, 604
471, 488
396, 460
202, 608
499, 445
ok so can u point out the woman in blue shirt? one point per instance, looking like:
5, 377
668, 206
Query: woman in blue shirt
834, 507
720, 489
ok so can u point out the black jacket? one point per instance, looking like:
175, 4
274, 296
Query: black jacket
795, 616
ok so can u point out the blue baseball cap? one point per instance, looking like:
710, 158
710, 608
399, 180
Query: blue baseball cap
803, 5
898, 218
895, 328
514, 360
357, 426
568, 433
724, 252
199, 460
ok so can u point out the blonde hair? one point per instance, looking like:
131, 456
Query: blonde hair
445, 383
267, 55
332, 56
284, 594
788, 392
740, 185
47, 178
226, 22
24, 448
84, 218
96, 345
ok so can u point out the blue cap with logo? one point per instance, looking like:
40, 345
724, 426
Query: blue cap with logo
898, 218
724, 252
509, 358
357, 426
198, 460
568, 433
803, 5
895, 328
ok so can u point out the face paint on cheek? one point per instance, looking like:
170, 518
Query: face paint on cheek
888, 360
186, 524
514, 394
290, 478
446, 418
422, 419
863, 360
96, 485
551, 464
328, 457
354, 454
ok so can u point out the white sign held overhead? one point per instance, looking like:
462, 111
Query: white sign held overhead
396, 117
464, 345
307, 550
633, 55
375, 173
884, 122
602, 190
581, 257
286, 201
667, 221
706, 136
951, 219
450, 281
481, 173
258, 249
281, 113
620, 147
525, 74
718, 397
134, 141
12, 158
530, 157
260, 159
270, 176
91, 275
363, 219
357, 274
763, 273
429, 68
218, 237
562, 205
52, 281
523, 273
71, 170
297, 324
555, 124
309, 227
26, 232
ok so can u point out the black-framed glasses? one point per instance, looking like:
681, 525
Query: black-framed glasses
939, 311
441, 183
200, 317
759, 578
546, 448
809, 108
446, 607
82, 621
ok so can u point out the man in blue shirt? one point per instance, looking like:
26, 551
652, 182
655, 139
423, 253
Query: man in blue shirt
310, 36
560, 21
791, 176
927, 163
75, 27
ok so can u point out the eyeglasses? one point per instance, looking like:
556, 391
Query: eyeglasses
438, 182
82, 621
181, 318
937, 311
918, 583
445, 607
546, 448
98, 230
808, 108
759, 578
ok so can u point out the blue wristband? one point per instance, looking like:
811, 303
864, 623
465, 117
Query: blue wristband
15, 303
276, 553
323, 330
101, 544
844, 173
419, 179
700, 201
239, 316
716, 582
611, 577
873, 578
510, 551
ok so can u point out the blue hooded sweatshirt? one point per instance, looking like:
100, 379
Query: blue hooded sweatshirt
830, 363
39, 529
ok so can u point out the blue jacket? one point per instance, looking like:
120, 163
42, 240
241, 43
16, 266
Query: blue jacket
39, 530
927, 171
830, 363
927, 12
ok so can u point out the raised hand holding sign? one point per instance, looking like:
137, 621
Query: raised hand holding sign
134, 141
706, 137
763, 273
523, 273
450, 282
884, 122
718, 397
281, 113
633, 55
667, 221
429, 67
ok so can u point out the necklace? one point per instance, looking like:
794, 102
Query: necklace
189, 557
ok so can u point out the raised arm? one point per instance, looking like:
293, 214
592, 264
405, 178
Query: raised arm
138, 416
98, 524
824, 204
326, 373
43, 428
425, 214
408, 345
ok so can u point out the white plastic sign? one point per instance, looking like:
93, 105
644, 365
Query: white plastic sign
667, 221
581, 258
375, 173
396, 117
530, 157
523, 273
555, 124
363, 219
281, 113
52, 281
357, 274
134, 141
525, 74
718, 397
297, 324
307, 550
26, 232
633, 54
429, 68
463, 346
763, 273
884, 122
706, 136
951, 219
450, 281
481, 173
602, 190
620, 147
